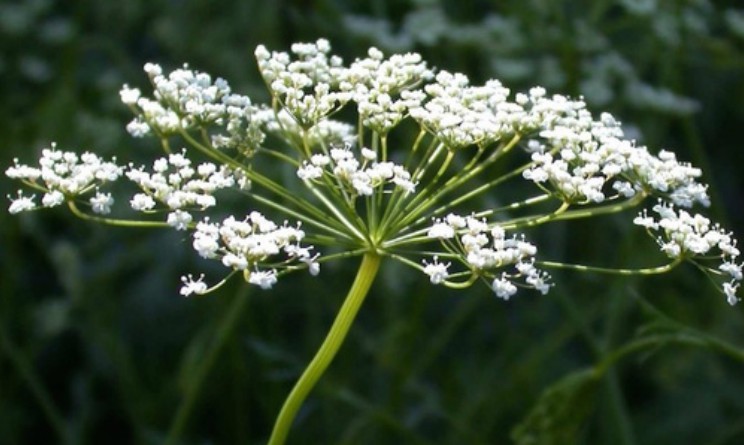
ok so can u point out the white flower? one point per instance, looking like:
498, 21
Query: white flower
153, 69
101, 203
732, 269
142, 202
487, 252
361, 178
441, 230
461, 115
193, 286
503, 288
21, 203
19, 171
53, 198
67, 173
262, 278
177, 184
306, 86
233, 261
185, 98
179, 219
730, 290
314, 268
138, 128
129, 96
646, 221
684, 233
539, 282
247, 244
368, 154
319, 160
436, 271
381, 87
308, 172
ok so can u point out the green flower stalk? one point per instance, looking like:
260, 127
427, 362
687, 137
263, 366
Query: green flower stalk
358, 187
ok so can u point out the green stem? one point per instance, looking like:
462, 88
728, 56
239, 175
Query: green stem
113, 221
335, 337
529, 221
614, 271
680, 338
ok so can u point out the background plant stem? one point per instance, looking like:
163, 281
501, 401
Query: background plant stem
191, 393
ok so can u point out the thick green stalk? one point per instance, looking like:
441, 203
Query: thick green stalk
335, 337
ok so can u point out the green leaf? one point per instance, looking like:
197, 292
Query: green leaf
560, 412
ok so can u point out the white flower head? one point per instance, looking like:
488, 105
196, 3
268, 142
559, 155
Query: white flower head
65, 173
265, 279
254, 245
21, 203
53, 198
730, 289
101, 203
179, 219
503, 288
436, 271
441, 230
193, 286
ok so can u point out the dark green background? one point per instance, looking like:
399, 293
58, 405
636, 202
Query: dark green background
93, 328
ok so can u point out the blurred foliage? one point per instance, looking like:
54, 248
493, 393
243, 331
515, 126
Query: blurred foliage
96, 346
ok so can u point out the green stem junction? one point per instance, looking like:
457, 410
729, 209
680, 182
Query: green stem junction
327, 351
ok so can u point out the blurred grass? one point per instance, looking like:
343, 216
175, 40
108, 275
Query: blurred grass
98, 347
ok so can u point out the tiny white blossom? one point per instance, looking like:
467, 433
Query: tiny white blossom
20, 171
179, 219
21, 203
142, 202
193, 286
101, 203
503, 288
153, 69
66, 173
732, 269
368, 154
436, 271
233, 261
730, 289
308, 172
314, 268
441, 230
646, 221
52, 198
539, 282
129, 96
263, 279
319, 160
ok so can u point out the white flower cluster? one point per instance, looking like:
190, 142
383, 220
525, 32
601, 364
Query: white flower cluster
64, 175
382, 87
250, 246
180, 186
326, 133
307, 87
486, 250
358, 178
575, 158
185, 98
460, 115
586, 160
694, 237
